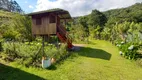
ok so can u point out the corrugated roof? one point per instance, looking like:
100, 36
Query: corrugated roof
63, 14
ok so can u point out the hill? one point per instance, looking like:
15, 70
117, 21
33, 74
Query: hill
131, 13
10, 5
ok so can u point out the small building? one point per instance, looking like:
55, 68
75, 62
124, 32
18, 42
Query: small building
49, 22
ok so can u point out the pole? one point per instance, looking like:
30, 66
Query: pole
43, 45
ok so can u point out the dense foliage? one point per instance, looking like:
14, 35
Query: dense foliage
130, 14
14, 26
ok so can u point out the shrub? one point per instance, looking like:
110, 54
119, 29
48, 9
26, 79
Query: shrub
129, 50
63, 50
28, 61
22, 53
50, 50
3, 56
18, 50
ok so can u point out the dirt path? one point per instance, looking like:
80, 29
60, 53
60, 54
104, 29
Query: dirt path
79, 45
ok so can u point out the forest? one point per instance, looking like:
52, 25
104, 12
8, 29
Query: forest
120, 27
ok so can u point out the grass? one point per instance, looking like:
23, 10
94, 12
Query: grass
99, 60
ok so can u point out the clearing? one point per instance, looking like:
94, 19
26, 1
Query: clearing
99, 60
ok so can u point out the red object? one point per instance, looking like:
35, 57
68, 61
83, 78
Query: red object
64, 37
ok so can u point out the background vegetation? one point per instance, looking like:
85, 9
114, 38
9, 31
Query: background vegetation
122, 27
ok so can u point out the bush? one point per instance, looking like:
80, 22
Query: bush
28, 61
129, 50
22, 53
50, 50
3, 56
61, 52
18, 50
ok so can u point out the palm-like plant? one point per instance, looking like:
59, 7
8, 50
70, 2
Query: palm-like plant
122, 30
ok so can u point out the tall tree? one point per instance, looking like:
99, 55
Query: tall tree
97, 18
83, 21
23, 25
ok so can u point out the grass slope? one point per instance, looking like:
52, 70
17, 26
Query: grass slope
96, 61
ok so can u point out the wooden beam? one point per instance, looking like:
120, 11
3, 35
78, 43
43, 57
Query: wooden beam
65, 18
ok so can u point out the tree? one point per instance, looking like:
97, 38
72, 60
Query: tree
97, 18
95, 33
78, 32
83, 21
8, 32
122, 30
23, 25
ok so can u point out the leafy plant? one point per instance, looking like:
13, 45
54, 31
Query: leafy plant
129, 50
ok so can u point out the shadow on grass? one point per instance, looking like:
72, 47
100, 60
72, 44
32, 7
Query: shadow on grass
10, 73
94, 53
52, 67
92, 43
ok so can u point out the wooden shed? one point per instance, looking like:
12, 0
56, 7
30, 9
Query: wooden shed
49, 22
46, 22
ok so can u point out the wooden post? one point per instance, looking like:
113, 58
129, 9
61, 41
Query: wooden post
57, 43
65, 22
43, 46
48, 37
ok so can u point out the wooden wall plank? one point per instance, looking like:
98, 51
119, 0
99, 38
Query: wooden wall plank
45, 28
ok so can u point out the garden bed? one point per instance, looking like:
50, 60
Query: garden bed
30, 54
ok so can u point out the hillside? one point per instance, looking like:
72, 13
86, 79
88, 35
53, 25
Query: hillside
10, 5
132, 13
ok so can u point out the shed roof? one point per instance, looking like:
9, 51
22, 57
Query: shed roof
63, 14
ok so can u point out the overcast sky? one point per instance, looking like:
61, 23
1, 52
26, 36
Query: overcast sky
75, 7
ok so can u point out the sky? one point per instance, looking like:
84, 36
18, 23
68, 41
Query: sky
75, 7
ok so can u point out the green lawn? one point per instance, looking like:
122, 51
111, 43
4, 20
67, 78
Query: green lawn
97, 61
